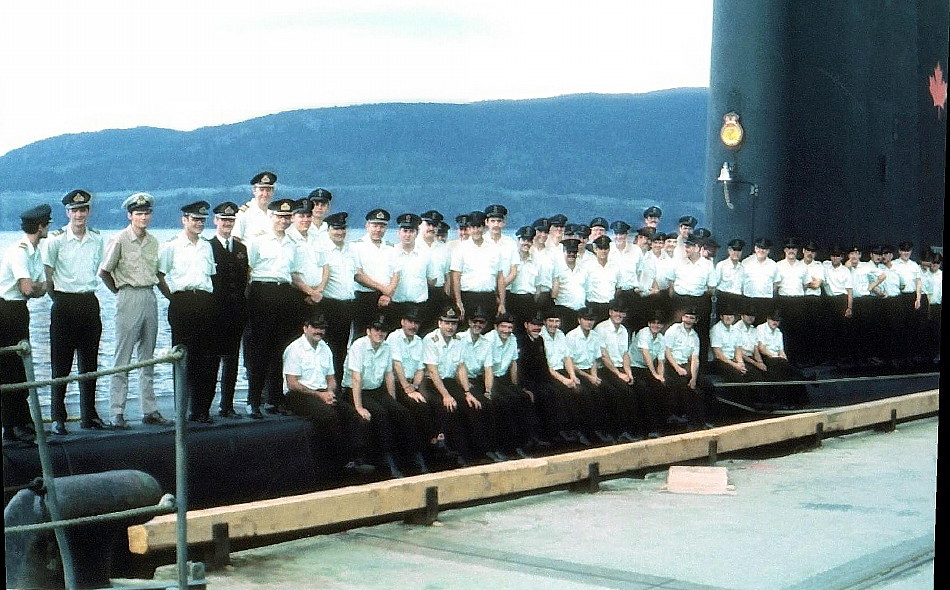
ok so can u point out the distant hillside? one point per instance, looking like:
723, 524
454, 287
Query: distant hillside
609, 154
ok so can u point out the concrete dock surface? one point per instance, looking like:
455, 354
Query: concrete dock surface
858, 512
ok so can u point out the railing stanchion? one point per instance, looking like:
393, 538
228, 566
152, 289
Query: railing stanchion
181, 466
46, 464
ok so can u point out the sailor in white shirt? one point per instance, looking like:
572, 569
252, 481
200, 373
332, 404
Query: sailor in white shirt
760, 278
252, 219
813, 320
338, 303
368, 381
730, 276
72, 256
21, 278
376, 276
321, 207
914, 312
570, 284
725, 341
185, 267
411, 266
523, 292
682, 371
448, 388
791, 297
648, 361
837, 333
569, 395
544, 256
477, 271
440, 257
692, 281
617, 375
627, 256
772, 347
340, 440
507, 247
475, 352
272, 258
312, 270
603, 278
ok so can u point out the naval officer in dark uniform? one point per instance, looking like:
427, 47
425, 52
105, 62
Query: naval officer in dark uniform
21, 278
229, 317
72, 256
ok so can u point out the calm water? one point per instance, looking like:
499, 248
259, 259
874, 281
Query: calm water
39, 339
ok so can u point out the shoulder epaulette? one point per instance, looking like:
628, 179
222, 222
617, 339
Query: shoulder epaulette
241, 240
95, 231
244, 206
22, 245
57, 232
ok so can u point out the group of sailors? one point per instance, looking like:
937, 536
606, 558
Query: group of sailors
430, 351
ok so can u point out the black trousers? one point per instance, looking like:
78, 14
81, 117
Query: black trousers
391, 425
793, 325
625, 412
655, 398
339, 316
340, 435
189, 316
75, 328
367, 309
516, 419
521, 305
14, 327
686, 400
467, 430
230, 320
271, 327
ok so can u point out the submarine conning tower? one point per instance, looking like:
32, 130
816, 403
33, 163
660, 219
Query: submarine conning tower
828, 121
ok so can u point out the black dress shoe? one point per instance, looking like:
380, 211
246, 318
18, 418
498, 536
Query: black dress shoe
256, 413
604, 437
230, 413
391, 465
521, 453
358, 467
59, 427
94, 423
567, 436
493, 457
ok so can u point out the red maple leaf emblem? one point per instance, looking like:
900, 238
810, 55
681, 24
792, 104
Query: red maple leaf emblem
938, 89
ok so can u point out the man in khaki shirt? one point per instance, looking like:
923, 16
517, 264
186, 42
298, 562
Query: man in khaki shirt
130, 270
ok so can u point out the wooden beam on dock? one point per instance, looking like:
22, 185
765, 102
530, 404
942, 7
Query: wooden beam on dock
399, 496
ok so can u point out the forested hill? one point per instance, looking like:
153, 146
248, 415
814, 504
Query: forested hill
580, 154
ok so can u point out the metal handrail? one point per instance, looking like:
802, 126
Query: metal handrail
166, 505
178, 358
175, 355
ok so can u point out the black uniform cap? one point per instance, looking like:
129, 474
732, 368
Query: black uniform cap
317, 320
792, 243
688, 220
320, 194
450, 314
196, 209
526, 232
408, 221
647, 231
495, 211
599, 222
479, 312
336, 220
378, 216
303, 206
410, 313
77, 198
653, 211
620, 227
282, 206
461, 220
570, 244
586, 313
504, 317
432, 216
602, 242
264, 179
542, 225
39, 214
736, 244
476, 219
701, 233
226, 210
810, 246
559, 220
763, 243
905, 246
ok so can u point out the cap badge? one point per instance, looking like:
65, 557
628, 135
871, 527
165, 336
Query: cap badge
202, 210
285, 207
266, 179
229, 210
379, 215
141, 200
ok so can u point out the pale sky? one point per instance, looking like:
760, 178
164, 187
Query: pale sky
72, 66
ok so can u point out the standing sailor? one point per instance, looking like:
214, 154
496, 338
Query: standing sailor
252, 219
375, 274
338, 296
21, 278
273, 261
185, 267
72, 256
229, 284
130, 270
